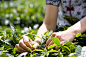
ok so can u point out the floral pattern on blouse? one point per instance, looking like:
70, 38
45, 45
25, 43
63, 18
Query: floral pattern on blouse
79, 7
79, 11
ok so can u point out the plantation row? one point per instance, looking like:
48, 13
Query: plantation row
11, 36
23, 13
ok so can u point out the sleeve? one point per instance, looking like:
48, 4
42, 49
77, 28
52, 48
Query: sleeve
53, 2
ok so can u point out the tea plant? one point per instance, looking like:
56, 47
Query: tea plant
22, 12
11, 36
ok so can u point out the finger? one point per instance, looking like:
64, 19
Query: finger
49, 40
35, 45
59, 37
53, 35
19, 48
51, 43
56, 48
30, 40
21, 44
62, 42
26, 40
19, 51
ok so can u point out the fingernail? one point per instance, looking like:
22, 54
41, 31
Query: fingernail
34, 48
29, 39
28, 50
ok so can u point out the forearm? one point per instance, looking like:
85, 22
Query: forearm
79, 27
49, 22
43, 28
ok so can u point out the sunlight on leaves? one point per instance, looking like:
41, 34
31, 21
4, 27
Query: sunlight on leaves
56, 41
52, 46
78, 34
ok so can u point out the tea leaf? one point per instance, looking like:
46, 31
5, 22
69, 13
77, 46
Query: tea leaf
47, 33
67, 43
65, 48
50, 32
38, 50
78, 34
37, 36
4, 33
23, 54
29, 49
52, 51
78, 50
40, 47
34, 54
56, 41
14, 50
13, 29
52, 46
0, 37
9, 41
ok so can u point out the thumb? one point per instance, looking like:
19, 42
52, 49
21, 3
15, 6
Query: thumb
62, 42
35, 45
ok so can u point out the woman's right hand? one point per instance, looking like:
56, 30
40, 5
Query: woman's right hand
67, 35
24, 44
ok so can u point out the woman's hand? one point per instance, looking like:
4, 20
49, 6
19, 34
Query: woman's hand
24, 44
63, 36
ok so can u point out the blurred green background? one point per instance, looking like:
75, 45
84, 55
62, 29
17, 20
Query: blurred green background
23, 13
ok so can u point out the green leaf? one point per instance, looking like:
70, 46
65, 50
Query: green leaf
78, 50
14, 34
31, 36
67, 43
4, 33
47, 33
50, 32
52, 46
72, 55
37, 36
65, 28
78, 34
31, 43
4, 51
65, 48
40, 47
9, 41
70, 17
56, 41
52, 51
0, 37
13, 29
22, 54
38, 50
34, 54
29, 49
14, 50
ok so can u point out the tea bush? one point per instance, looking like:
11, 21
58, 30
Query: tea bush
22, 12
25, 13
11, 36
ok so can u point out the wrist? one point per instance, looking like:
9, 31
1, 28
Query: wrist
74, 31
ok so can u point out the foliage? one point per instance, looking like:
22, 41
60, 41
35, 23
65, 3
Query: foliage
71, 20
22, 12
11, 36
25, 13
